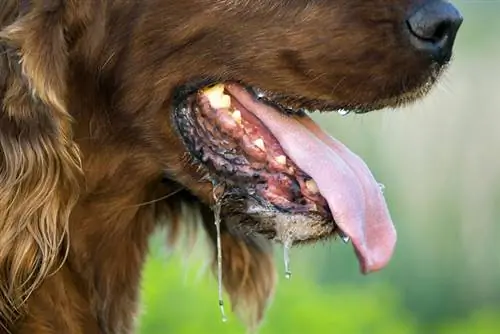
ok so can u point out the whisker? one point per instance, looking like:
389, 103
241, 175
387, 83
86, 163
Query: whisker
157, 199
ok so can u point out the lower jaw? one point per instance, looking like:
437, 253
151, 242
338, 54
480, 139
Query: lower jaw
247, 214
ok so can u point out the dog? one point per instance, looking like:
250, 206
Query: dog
120, 117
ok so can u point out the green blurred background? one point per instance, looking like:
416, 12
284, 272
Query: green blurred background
440, 163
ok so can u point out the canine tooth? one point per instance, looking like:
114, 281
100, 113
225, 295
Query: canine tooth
281, 159
226, 101
312, 186
217, 98
260, 143
237, 116
214, 92
215, 89
219, 101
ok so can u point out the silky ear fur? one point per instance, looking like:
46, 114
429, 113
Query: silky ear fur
40, 167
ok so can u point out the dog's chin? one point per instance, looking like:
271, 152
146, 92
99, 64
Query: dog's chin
275, 173
245, 212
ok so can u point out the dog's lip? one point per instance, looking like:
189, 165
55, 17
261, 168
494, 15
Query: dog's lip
274, 99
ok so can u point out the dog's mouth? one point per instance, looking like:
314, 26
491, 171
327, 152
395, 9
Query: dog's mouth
278, 167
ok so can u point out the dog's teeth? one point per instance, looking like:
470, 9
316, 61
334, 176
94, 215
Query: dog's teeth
260, 143
312, 186
217, 98
281, 159
237, 116
217, 89
220, 101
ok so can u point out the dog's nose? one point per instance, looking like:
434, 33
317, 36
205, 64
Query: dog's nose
433, 29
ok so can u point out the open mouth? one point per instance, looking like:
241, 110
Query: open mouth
284, 164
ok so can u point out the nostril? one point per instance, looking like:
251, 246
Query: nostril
440, 31
431, 32
434, 26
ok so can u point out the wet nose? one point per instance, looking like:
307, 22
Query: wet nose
433, 29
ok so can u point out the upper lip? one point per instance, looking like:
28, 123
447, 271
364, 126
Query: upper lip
299, 106
303, 104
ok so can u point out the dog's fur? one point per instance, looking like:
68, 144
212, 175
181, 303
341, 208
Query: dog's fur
86, 138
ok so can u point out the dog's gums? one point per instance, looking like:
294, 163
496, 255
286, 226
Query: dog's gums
235, 145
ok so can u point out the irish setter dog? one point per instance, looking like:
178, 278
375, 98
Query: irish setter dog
120, 117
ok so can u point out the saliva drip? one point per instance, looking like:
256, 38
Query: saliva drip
286, 258
217, 208
382, 187
343, 237
219, 262
343, 112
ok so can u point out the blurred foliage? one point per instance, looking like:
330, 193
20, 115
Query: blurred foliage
179, 306
441, 167
482, 321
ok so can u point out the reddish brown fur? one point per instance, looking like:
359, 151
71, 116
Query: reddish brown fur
86, 134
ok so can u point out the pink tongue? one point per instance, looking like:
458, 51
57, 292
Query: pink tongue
354, 197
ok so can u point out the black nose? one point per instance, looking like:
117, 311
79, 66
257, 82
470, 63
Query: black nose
433, 29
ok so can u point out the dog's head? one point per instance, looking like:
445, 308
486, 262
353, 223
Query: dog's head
240, 78
214, 95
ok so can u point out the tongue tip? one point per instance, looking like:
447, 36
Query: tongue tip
373, 267
374, 260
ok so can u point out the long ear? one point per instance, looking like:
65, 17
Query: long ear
248, 271
39, 163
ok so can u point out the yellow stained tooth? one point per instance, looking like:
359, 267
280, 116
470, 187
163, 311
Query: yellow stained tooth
312, 186
219, 101
225, 102
281, 159
260, 143
217, 89
216, 97
237, 116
